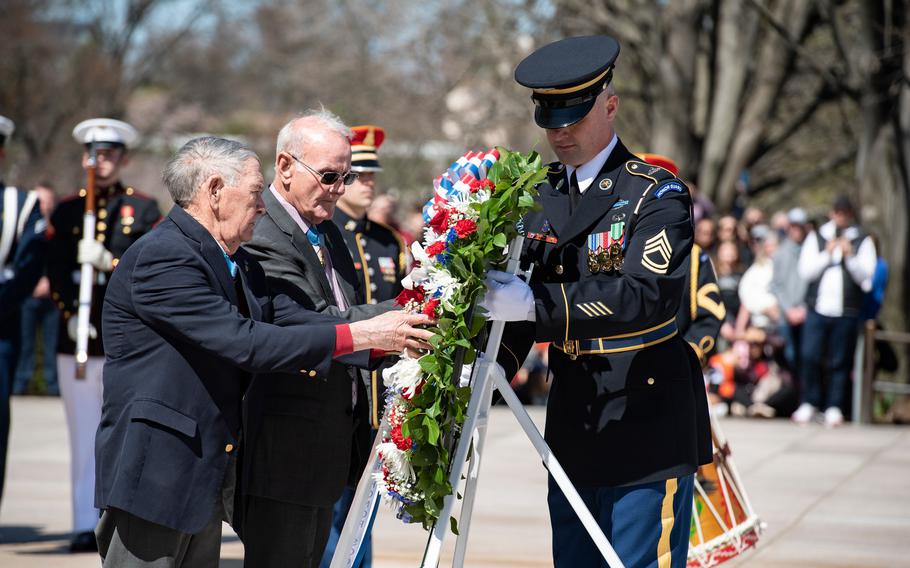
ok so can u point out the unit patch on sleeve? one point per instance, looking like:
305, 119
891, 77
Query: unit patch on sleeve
657, 253
667, 187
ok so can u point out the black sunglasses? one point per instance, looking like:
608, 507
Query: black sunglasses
329, 178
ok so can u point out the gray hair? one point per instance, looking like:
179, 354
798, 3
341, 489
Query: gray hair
201, 158
293, 140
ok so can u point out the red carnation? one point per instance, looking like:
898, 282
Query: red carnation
440, 221
430, 307
400, 441
475, 185
435, 248
417, 295
489, 185
465, 227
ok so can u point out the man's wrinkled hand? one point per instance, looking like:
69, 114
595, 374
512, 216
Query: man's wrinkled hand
394, 331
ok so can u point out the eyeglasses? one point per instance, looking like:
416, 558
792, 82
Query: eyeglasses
329, 178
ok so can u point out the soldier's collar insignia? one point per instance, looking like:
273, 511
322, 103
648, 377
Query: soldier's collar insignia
605, 184
350, 225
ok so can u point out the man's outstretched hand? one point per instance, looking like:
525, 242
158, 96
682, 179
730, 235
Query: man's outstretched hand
393, 331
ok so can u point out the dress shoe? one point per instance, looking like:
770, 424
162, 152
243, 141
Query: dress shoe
84, 542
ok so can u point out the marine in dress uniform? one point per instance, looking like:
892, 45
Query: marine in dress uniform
123, 216
627, 413
702, 310
22, 247
380, 260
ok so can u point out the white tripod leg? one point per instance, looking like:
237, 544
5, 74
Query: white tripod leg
556, 470
360, 514
470, 487
482, 384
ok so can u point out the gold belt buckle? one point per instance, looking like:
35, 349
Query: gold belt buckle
570, 349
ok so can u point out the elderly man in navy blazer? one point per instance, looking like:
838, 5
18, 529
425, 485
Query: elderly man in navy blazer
188, 322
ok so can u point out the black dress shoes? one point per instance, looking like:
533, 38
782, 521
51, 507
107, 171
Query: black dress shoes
84, 542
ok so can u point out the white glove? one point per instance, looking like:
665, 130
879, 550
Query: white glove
72, 326
94, 253
508, 298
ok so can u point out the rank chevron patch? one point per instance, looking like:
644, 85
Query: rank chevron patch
657, 253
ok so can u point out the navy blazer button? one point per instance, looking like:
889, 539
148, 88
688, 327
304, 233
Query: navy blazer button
229, 448
650, 380
302, 371
312, 373
558, 269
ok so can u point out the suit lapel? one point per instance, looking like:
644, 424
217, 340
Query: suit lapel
213, 255
598, 198
315, 272
338, 251
243, 268
208, 248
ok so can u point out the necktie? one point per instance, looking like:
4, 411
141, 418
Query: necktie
574, 193
232, 266
315, 238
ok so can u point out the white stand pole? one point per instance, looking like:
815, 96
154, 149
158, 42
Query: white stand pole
361, 512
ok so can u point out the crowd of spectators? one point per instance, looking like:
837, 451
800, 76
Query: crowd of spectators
796, 290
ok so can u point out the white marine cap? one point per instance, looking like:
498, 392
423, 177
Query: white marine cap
7, 127
797, 216
105, 133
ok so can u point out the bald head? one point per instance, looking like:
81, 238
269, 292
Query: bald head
301, 132
313, 144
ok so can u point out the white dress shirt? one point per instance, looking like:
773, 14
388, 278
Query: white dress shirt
589, 170
815, 264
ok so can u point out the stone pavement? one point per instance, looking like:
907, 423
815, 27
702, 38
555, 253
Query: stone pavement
830, 498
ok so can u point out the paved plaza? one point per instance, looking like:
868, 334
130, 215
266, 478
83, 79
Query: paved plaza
830, 498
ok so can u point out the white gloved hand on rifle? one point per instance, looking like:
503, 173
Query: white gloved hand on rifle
94, 253
72, 329
508, 298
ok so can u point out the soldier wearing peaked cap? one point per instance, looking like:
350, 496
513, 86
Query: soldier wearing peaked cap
702, 310
22, 246
627, 413
122, 216
379, 253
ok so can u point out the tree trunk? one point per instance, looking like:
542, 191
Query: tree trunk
771, 71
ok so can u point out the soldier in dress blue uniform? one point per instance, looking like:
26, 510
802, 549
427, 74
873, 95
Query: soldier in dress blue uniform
380, 259
123, 215
627, 413
702, 310
22, 246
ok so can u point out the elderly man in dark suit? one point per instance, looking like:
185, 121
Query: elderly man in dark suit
188, 322
305, 440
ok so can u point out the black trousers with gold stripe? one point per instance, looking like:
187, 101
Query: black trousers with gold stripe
647, 524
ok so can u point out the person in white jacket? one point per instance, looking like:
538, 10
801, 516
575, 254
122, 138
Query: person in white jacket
838, 262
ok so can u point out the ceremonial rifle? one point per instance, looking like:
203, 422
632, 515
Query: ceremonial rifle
87, 278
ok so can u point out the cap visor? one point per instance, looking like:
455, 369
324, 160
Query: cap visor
560, 117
